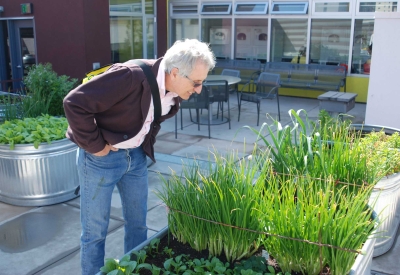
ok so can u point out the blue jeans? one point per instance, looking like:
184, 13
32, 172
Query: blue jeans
127, 169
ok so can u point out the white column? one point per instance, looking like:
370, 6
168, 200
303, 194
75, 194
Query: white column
383, 102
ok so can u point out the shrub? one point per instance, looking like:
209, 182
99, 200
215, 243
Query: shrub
45, 91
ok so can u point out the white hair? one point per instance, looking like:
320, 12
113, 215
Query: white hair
184, 55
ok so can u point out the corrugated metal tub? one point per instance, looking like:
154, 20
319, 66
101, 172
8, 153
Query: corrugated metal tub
386, 196
36, 177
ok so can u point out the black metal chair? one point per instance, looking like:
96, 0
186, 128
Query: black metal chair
230, 72
219, 93
198, 102
266, 86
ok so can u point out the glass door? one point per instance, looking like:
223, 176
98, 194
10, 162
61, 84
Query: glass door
18, 52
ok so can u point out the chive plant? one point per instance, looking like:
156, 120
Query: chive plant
207, 206
320, 150
313, 224
319, 193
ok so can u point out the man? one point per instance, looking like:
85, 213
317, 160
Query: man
111, 120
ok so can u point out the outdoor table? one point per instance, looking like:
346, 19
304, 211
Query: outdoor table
231, 81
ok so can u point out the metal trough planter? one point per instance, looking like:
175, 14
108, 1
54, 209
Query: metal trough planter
387, 196
361, 266
37, 177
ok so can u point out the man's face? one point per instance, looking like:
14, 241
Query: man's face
185, 86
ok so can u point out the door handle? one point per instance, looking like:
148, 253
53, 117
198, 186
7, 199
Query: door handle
19, 66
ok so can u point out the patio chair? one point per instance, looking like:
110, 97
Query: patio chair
198, 102
231, 73
266, 86
219, 93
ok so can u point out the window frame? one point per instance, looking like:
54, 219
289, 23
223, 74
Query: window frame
265, 11
359, 13
177, 5
303, 12
317, 13
228, 12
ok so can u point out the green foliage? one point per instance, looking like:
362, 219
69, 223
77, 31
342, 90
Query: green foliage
255, 263
125, 266
45, 91
153, 246
321, 188
228, 193
185, 265
302, 211
382, 151
10, 106
322, 149
43, 128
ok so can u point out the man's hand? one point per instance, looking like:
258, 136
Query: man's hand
105, 151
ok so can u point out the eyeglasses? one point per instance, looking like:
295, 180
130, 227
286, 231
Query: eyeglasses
195, 85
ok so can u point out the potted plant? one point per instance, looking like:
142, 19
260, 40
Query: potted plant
332, 147
234, 206
37, 162
383, 145
290, 197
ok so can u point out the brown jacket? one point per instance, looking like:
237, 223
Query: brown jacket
112, 108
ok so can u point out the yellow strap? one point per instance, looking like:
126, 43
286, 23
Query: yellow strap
93, 73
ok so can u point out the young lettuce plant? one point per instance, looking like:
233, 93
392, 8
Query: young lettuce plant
44, 128
125, 266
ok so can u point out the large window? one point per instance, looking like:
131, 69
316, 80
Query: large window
132, 29
184, 28
362, 45
251, 38
288, 39
126, 38
217, 32
330, 41
329, 32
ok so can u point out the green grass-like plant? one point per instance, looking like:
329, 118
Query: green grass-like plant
304, 195
227, 193
301, 212
319, 150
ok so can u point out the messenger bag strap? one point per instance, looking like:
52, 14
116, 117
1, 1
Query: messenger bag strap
154, 87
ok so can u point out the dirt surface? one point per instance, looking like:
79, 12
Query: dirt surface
180, 248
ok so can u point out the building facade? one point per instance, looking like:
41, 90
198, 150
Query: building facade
79, 35
333, 32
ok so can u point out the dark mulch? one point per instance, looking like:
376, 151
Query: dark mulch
180, 248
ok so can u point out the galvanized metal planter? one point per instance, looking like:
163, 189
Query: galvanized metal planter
361, 266
37, 177
363, 263
386, 196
